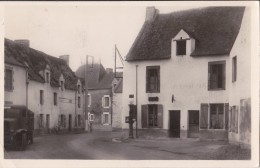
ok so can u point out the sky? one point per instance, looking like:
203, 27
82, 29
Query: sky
78, 30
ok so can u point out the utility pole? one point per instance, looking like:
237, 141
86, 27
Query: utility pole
86, 96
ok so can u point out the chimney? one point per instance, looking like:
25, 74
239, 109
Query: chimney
151, 13
66, 58
109, 70
23, 42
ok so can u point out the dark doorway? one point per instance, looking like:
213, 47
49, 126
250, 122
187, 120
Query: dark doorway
48, 123
174, 123
193, 123
70, 122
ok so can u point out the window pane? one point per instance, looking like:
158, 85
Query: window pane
217, 116
106, 101
217, 76
152, 116
153, 79
181, 47
8, 79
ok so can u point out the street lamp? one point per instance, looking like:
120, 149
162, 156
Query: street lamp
88, 59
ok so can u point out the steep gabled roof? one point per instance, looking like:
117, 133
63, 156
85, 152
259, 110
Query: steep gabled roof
37, 61
98, 77
214, 29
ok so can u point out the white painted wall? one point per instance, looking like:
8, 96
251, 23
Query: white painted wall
185, 77
18, 95
241, 89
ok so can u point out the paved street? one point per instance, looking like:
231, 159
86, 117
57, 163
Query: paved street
99, 145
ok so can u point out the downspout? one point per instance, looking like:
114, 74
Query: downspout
136, 86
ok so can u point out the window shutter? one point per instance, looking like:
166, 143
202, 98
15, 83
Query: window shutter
144, 116
109, 119
160, 115
147, 78
204, 116
109, 101
209, 76
230, 119
226, 115
65, 121
103, 101
158, 79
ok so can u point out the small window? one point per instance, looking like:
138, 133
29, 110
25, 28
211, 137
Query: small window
79, 103
234, 119
63, 120
62, 85
41, 121
234, 69
216, 75
55, 98
106, 101
47, 77
106, 118
181, 47
8, 80
217, 116
79, 89
153, 79
91, 117
41, 97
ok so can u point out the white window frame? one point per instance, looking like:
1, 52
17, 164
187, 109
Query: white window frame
103, 101
106, 113
89, 100
91, 117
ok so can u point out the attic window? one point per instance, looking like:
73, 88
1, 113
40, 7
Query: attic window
61, 85
79, 89
47, 77
181, 47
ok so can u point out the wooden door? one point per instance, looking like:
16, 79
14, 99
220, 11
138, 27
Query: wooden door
193, 123
174, 123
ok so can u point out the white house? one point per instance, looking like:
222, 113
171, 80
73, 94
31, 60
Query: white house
54, 93
190, 74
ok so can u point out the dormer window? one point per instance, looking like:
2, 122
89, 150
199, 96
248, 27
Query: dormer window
180, 47
47, 77
79, 88
62, 85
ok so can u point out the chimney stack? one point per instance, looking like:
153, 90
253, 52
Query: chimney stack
23, 42
65, 58
151, 13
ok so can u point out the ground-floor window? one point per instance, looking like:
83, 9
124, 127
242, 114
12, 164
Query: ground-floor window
105, 118
152, 116
63, 120
216, 116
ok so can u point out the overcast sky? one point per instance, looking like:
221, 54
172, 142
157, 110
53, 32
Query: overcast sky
78, 30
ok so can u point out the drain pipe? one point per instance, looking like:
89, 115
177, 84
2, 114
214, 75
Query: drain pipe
136, 87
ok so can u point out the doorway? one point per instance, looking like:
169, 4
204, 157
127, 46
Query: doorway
48, 123
193, 124
70, 122
174, 123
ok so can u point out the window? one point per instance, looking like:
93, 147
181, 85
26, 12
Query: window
55, 98
216, 75
8, 80
234, 119
106, 118
41, 97
79, 89
62, 85
47, 77
234, 69
91, 117
217, 116
79, 102
106, 101
181, 47
152, 116
153, 79
89, 100
62, 120
41, 121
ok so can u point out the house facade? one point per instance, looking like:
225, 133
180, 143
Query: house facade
54, 93
185, 69
99, 95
